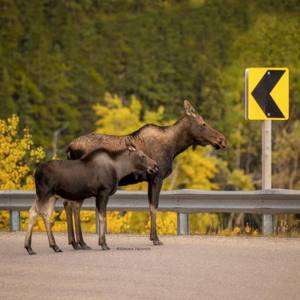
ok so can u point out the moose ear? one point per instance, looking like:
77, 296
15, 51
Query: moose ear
129, 144
189, 109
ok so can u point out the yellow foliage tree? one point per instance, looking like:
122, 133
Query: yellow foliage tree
193, 169
18, 155
116, 118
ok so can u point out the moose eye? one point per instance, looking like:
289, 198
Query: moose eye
204, 124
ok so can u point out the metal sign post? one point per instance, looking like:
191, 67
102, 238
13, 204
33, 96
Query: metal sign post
266, 99
266, 157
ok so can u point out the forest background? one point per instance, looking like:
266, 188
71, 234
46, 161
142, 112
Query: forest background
72, 67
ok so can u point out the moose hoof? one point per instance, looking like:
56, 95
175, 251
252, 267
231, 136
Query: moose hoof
75, 246
56, 248
85, 247
105, 247
30, 251
157, 243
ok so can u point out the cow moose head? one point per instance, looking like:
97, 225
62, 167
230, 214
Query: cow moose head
202, 133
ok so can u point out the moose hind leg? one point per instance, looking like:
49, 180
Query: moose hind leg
47, 212
70, 226
33, 213
76, 206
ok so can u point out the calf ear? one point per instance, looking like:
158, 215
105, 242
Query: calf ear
189, 109
130, 144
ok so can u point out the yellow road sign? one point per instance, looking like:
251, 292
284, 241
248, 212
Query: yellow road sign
267, 94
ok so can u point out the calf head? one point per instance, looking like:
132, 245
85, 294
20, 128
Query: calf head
200, 131
140, 160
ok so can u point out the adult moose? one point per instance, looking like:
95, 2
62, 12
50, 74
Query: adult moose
161, 143
95, 175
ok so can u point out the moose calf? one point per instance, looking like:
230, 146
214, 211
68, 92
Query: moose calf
96, 174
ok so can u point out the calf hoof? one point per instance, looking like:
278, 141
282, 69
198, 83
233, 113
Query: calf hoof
75, 246
157, 243
30, 251
105, 247
56, 248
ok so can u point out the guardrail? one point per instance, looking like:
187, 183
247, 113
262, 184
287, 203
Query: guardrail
180, 201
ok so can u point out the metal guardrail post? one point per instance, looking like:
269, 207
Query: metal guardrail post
182, 224
267, 224
14, 220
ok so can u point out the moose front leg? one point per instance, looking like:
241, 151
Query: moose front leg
33, 213
101, 203
154, 188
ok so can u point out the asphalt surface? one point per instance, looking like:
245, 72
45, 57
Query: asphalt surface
190, 267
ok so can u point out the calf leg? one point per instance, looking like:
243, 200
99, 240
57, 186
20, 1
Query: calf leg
153, 197
70, 226
101, 203
33, 213
76, 209
46, 212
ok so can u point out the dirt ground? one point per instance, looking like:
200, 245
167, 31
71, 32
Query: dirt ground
185, 267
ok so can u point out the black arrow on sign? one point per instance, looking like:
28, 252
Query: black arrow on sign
262, 91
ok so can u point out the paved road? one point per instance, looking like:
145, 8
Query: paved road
190, 267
